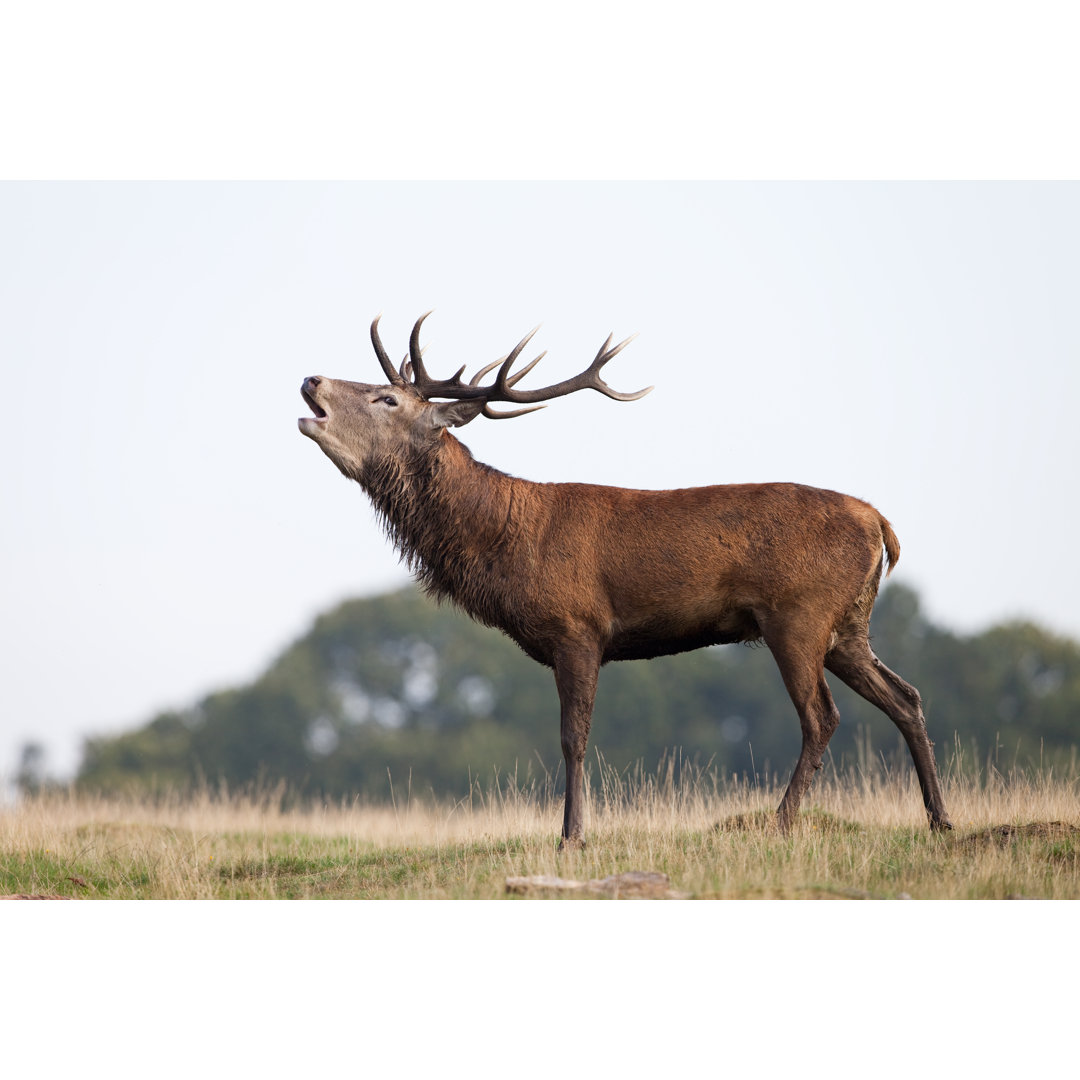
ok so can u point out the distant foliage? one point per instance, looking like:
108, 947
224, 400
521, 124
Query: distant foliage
396, 689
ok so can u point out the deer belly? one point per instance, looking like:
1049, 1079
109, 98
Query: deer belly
662, 635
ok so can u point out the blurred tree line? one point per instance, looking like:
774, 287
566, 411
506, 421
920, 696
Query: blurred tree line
396, 689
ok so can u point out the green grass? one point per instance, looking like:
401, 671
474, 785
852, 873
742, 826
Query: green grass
859, 837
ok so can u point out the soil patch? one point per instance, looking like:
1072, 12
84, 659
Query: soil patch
34, 896
1002, 835
632, 885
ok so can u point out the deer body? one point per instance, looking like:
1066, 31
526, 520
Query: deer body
581, 574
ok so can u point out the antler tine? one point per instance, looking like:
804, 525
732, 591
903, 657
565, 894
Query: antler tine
502, 383
416, 354
417, 376
406, 370
589, 379
475, 380
395, 378
602, 357
512, 380
492, 415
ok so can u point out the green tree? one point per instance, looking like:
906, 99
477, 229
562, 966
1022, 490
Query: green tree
396, 687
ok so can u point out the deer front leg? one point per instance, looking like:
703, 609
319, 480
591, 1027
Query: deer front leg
577, 668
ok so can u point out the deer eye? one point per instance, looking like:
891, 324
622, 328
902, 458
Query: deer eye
388, 400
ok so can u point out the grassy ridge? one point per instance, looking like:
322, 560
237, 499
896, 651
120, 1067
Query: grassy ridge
862, 836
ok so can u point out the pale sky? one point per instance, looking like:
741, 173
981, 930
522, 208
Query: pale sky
170, 531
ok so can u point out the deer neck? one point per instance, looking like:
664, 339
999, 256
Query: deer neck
453, 520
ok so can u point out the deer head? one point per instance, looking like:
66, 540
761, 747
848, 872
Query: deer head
356, 422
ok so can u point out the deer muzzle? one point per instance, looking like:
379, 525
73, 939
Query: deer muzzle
309, 390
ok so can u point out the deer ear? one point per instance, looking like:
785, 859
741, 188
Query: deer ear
455, 413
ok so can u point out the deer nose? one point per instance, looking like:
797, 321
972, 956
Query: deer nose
311, 382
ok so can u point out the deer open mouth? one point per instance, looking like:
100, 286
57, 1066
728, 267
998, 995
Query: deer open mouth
316, 408
310, 424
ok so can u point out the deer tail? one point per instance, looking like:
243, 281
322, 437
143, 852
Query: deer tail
892, 546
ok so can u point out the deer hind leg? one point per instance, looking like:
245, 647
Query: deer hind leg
577, 669
853, 660
800, 664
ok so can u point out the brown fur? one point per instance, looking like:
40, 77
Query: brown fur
579, 574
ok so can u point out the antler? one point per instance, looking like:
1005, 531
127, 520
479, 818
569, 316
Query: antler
414, 375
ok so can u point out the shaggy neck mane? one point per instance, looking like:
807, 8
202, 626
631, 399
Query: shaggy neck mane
451, 518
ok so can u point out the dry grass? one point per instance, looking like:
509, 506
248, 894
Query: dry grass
861, 836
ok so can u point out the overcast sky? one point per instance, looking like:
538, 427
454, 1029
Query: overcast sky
168, 530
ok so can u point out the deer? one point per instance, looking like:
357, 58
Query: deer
579, 575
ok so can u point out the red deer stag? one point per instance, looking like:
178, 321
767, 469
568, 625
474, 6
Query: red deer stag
579, 574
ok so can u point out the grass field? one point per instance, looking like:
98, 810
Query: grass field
861, 836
